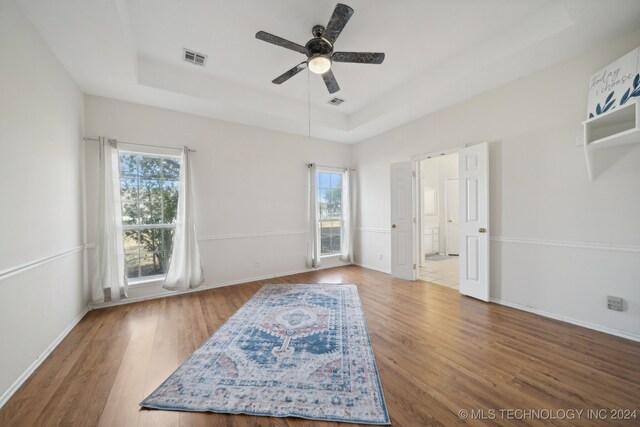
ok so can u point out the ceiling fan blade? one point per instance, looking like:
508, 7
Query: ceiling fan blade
279, 41
358, 57
339, 19
330, 81
290, 73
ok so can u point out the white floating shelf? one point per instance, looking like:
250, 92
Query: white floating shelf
617, 127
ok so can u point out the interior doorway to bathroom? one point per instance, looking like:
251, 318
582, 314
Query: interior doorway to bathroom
438, 223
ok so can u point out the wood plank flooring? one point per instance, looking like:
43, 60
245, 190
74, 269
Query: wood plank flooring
437, 353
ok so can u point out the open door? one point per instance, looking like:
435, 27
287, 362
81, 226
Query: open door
402, 230
474, 217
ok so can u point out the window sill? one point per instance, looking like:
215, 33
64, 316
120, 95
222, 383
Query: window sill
329, 256
146, 281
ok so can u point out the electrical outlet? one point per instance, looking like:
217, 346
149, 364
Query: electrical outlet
579, 141
615, 303
257, 264
381, 257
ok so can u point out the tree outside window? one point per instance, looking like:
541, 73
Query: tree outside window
149, 187
330, 212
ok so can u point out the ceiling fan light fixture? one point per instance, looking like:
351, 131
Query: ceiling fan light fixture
319, 50
319, 64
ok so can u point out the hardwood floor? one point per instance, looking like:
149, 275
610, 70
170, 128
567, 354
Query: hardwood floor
437, 353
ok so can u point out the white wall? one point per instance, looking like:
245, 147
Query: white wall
41, 119
250, 186
543, 207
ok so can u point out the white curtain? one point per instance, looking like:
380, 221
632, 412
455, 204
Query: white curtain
110, 278
348, 215
313, 244
185, 270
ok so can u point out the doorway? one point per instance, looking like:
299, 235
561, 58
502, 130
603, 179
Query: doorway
438, 230
409, 202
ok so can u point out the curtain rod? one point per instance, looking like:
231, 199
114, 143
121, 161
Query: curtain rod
325, 166
142, 145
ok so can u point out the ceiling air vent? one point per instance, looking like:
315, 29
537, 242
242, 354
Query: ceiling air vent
336, 101
194, 57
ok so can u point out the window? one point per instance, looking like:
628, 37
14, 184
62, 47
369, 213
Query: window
330, 211
149, 190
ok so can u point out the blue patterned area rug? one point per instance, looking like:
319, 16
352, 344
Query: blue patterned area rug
290, 351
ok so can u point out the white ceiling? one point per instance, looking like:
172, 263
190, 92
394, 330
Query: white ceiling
437, 53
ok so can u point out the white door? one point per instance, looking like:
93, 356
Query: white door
474, 221
452, 194
421, 197
402, 230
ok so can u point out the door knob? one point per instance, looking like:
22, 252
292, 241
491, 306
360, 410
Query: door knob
393, 226
482, 230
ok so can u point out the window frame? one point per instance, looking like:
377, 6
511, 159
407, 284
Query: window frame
161, 154
335, 171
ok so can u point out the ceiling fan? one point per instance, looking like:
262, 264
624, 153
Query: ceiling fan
319, 49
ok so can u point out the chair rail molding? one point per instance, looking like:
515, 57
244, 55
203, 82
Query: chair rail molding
252, 235
29, 265
374, 230
239, 236
569, 244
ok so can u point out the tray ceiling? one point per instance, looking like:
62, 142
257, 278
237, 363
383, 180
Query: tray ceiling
437, 54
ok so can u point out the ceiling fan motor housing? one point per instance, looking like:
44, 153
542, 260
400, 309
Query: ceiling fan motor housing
318, 46
317, 30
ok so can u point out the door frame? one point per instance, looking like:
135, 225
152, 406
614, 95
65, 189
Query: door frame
446, 213
417, 209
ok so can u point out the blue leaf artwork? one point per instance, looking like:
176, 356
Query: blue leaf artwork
632, 91
614, 85
609, 98
625, 97
609, 103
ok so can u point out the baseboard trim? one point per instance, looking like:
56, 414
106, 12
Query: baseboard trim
610, 331
208, 286
43, 356
371, 267
543, 313
21, 268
